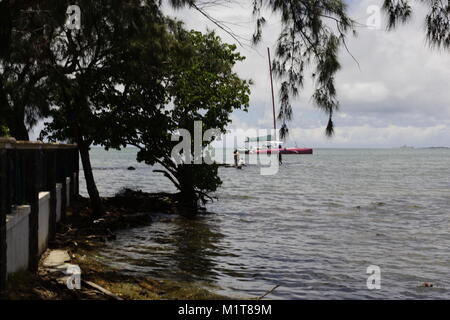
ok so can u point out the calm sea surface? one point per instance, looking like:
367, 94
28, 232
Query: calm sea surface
313, 228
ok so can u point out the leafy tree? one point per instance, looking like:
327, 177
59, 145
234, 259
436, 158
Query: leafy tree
437, 20
24, 89
4, 130
115, 58
26, 28
202, 87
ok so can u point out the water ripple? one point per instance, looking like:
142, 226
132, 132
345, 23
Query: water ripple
313, 228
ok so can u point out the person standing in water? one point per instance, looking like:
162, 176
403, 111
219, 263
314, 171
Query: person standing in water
236, 157
280, 157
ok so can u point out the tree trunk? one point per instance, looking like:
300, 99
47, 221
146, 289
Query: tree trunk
13, 118
188, 196
96, 202
17, 128
4, 106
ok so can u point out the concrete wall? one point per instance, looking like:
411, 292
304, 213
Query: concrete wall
44, 220
17, 225
17, 240
18, 230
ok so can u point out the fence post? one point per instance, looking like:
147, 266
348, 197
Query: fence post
33, 167
5, 207
51, 187
73, 172
77, 171
68, 170
62, 179
3, 213
14, 178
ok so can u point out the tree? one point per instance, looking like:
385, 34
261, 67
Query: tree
118, 46
24, 90
202, 87
4, 130
437, 21
26, 28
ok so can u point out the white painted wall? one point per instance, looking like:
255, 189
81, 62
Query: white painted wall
17, 240
17, 225
44, 217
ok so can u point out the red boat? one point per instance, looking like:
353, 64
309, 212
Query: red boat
265, 145
283, 151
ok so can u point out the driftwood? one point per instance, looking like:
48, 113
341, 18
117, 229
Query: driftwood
268, 292
102, 290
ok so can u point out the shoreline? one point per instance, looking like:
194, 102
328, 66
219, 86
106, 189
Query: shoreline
81, 235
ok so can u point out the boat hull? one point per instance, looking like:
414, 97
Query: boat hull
283, 151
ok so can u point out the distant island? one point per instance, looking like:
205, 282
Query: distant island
410, 147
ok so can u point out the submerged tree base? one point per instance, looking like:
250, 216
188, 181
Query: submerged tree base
138, 201
82, 235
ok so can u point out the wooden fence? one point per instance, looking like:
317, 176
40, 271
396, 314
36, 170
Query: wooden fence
26, 169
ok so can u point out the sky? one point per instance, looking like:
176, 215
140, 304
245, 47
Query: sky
398, 95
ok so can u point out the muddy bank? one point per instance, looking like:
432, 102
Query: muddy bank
81, 235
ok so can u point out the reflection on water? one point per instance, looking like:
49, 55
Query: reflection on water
194, 243
172, 247
313, 229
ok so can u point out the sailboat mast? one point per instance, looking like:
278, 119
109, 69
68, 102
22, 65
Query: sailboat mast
273, 96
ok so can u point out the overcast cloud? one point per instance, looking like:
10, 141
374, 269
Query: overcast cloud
398, 96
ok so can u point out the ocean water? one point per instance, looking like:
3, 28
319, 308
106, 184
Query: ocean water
313, 229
